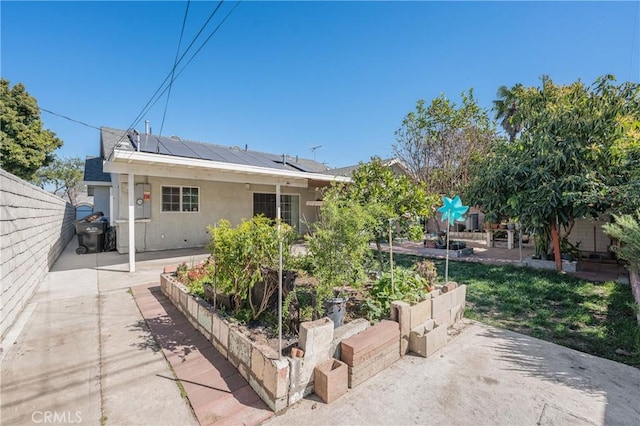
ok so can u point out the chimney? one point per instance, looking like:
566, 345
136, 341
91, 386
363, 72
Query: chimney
246, 146
284, 160
146, 127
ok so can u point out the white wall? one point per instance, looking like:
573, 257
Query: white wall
218, 200
591, 236
35, 226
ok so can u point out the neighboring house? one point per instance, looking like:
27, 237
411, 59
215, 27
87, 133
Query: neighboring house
98, 185
394, 163
175, 188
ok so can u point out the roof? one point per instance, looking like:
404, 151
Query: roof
93, 171
348, 170
177, 147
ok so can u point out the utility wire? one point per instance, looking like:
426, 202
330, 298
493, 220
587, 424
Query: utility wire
175, 64
144, 109
79, 122
159, 92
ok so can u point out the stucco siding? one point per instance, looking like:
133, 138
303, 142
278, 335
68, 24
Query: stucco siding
217, 200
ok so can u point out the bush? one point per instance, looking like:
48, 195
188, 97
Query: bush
339, 247
242, 253
409, 286
626, 229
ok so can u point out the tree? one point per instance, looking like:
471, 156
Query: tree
437, 143
65, 175
626, 228
505, 108
24, 145
339, 245
577, 154
387, 196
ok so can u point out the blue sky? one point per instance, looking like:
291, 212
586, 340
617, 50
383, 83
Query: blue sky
282, 77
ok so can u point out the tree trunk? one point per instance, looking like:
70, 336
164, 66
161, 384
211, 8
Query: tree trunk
556, 245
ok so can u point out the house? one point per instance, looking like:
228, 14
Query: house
162, 192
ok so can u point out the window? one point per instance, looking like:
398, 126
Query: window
265, 204
180, 199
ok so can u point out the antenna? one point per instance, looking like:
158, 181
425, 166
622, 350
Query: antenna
313, 150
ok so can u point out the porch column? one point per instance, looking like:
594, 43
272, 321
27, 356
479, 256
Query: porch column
112, 220
132, 214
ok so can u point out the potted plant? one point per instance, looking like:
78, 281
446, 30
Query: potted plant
339, 247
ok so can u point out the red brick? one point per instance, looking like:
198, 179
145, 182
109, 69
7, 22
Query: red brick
297, 353
170, 269
369, 340
451, 285
365, 356
331, 380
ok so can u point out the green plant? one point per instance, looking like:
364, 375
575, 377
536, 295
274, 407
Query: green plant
428, 271
241, 255
566, 247
415, 232
626, 228
339, 246
409, 286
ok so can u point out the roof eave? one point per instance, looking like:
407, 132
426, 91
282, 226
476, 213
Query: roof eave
131, 157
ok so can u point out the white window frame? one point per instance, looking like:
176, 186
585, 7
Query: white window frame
297, 224
181, 187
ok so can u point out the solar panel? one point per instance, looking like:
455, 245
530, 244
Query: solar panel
232, 155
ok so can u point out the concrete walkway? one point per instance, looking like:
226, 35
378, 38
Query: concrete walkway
486, 376
82, 353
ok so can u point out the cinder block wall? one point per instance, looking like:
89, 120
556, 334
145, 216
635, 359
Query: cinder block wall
35, 226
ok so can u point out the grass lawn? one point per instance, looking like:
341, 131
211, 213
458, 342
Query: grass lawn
596, 318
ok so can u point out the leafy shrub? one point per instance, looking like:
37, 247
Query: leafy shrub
339, 246
409, 286
242, 253
626, 228
415, 232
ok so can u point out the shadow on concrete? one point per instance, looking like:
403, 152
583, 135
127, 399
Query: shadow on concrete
207, 376
120, 262
616, 383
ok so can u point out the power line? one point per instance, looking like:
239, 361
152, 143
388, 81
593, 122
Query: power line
153, 101
144, 109
175, 64
78, 121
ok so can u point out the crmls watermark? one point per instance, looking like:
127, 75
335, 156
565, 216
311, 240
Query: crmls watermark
53, 417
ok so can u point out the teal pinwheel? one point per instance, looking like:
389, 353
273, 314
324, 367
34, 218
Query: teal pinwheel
453, 210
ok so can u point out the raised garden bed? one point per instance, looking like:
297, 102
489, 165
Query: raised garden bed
567, 266
283, 380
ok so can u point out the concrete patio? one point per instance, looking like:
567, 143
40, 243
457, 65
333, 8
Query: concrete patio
83, 351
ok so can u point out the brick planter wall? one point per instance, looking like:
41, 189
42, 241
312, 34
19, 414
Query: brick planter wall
279, 381
283, 381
